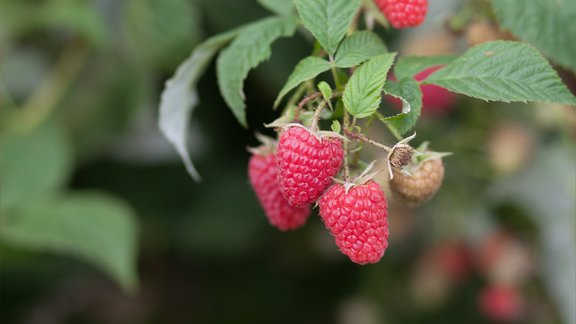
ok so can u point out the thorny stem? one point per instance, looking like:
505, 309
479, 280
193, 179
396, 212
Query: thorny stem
365, 128
353, 122
304, 102
316, 116
362, 137
345, 145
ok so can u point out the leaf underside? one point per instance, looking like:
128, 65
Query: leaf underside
179, 97
409, 92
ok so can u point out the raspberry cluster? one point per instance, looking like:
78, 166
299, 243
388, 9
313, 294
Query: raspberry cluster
301, 168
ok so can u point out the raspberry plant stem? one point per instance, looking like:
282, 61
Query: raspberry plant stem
335, 77
299, 91
316, 116
363, 138
345, 145
304, 102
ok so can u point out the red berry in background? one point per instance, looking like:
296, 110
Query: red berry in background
454, 259
357, 219
404, 13
501, 303
262, 171
306, 164
503, 258
436, 101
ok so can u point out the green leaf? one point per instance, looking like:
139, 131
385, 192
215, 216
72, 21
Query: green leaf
326, 91
327, 20
363, 92
547, 24
358, 48
179, 96
33, 165
161, 33
505, 71
305, 70
250, 48
409, 66
336, 126
281, 7
94, 227
409, 92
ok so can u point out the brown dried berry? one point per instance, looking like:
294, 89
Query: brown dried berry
401, 156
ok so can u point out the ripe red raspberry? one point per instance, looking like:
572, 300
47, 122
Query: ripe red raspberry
306, 164
357, 220
422, 183
501, 303
436, 101
262, 171
404, 13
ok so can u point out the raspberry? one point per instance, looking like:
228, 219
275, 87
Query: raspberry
422, 183
262, 171
357, 220
404, 13
501, 303
436, 101
504, 259
306, 164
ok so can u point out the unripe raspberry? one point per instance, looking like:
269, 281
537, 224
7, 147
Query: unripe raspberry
404, 13
510, 147
262, 171
306, 164
357, 219
422, 183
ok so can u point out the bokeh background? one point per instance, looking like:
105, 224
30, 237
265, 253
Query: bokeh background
79, 90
